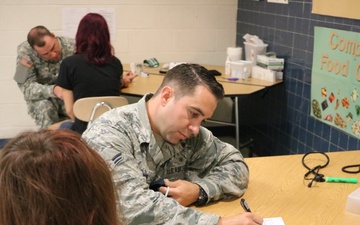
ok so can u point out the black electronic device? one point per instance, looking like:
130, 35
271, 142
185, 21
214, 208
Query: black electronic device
157, 184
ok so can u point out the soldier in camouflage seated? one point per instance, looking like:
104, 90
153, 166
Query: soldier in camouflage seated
163, 160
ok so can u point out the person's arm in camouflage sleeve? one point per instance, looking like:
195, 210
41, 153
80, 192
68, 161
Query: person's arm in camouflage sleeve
218, 167
33, 90
25, 76
140, 204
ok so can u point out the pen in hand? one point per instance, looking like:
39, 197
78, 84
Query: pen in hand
245, 206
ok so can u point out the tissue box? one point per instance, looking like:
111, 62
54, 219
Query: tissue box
353, 202
270, 62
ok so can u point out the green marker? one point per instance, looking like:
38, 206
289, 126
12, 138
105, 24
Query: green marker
341, 180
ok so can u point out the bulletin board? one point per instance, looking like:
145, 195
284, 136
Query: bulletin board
338, 8
335, 80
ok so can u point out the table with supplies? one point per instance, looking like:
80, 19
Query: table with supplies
221, 78
277, 189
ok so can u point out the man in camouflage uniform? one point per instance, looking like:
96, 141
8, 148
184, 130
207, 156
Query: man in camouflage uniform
37, 65
161, 137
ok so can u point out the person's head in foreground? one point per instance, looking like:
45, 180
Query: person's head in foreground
187, 96
53, 178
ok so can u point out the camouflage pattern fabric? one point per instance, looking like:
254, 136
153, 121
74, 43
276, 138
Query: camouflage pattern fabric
124, 138
36, 78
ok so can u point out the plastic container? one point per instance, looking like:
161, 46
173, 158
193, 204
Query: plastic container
353, 202
252, 50
241, 69
232, 54
227, 66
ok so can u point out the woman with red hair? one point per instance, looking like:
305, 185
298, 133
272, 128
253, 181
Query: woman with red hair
93, 70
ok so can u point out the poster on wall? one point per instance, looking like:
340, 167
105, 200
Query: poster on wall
343, 8
335, 80
72, 16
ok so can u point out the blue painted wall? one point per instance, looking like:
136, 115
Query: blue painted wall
279, 119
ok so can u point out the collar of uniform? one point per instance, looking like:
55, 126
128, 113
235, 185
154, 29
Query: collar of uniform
63, 49
144, 120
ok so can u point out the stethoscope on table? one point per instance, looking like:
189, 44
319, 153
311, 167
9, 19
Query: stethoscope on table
318, 177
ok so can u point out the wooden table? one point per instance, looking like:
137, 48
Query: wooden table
277, 189
143, 85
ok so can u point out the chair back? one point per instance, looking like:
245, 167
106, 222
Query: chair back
88, 109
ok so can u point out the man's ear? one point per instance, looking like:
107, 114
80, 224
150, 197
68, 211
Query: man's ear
166, 94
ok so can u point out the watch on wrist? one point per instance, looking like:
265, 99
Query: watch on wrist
202, 199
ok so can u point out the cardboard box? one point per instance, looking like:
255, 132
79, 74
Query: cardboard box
270, 62
263, 74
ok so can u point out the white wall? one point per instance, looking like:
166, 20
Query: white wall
196, 31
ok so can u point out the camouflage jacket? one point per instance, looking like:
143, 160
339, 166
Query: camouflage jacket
34, 75
124, 138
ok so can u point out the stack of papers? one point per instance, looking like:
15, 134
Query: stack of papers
273, 221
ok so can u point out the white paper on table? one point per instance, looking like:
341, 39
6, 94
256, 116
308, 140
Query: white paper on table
273, 221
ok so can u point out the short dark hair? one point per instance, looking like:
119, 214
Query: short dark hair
36, 36
186, 77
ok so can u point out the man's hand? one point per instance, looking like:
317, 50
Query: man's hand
58, 92
182, 191
187, 193
241, 219
127, 77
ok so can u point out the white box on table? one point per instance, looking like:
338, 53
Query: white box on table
353, 202
270, 62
